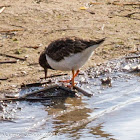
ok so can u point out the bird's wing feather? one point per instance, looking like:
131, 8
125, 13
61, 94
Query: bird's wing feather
61, 48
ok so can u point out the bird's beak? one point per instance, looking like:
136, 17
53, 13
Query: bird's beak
45, 70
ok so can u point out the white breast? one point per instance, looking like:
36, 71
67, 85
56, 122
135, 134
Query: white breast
72, 62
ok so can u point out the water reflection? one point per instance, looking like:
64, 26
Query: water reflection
74, 111
111, 114
97, 131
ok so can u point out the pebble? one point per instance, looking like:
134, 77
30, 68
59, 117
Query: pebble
24, 72
14, 86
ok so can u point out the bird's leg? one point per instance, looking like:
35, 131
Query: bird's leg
73, 76
68, 81
77, 72
72, 79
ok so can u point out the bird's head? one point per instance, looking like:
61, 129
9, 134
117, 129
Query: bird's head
44, 63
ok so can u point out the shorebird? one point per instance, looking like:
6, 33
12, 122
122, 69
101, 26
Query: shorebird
68, 54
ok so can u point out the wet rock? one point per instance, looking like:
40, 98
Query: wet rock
126, 67
136, 68
106, 81
132, 68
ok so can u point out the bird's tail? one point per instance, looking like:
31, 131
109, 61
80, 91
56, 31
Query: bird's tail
96, 43
100, 41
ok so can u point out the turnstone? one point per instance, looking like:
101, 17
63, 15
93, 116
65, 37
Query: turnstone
68, 54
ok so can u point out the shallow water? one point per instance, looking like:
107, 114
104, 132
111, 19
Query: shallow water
111, 113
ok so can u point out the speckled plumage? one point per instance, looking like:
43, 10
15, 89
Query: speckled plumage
64, 47
68, 53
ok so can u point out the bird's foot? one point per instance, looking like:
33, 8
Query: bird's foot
71, 85
65, 81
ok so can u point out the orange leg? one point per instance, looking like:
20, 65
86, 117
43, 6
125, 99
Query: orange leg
77, 72
73, 75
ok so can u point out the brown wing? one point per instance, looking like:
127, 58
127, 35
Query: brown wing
65, 47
